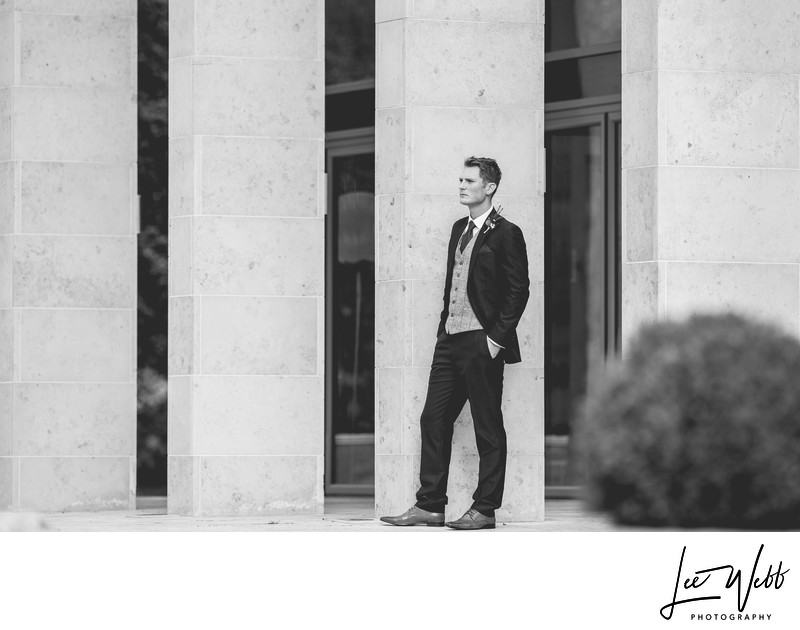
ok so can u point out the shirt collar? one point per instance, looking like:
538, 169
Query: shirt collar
479, 221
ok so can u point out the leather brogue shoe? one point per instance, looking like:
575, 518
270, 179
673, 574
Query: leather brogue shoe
416, 516
473, 519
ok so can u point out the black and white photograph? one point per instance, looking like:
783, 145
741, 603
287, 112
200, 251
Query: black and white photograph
296, 293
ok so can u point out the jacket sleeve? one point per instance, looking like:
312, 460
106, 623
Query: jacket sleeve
513, 263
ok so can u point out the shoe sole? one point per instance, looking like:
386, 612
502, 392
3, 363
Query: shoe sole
467, 529
413, 524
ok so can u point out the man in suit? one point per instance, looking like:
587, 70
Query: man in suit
486, 290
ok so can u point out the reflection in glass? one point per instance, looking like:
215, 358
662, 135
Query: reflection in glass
583, 77
578, 23
349, 41
353, 325
575, 287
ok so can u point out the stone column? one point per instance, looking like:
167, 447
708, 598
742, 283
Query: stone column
711, 159
454, 79
67, 254
246, 274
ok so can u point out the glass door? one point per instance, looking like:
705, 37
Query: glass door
350, 316
581, 277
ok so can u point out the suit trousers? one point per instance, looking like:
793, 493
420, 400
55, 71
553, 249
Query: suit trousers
463, 369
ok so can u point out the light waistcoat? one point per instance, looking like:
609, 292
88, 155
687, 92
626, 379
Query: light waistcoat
461, 317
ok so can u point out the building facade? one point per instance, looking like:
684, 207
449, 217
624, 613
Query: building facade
651, 155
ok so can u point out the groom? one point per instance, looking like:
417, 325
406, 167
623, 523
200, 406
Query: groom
485, 293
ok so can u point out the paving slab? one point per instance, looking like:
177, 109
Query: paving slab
341, 515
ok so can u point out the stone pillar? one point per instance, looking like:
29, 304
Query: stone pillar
454, 79
246, 264
67, 254
711, 159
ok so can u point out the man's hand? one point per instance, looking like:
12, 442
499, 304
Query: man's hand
494, 349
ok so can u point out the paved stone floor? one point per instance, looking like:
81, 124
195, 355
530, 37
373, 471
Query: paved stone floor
342, 514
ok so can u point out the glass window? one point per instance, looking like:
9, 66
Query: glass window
579, 23
350, 110
349, 41
352, 325
583, 77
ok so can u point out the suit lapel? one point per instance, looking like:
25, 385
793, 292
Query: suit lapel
482, 234
455, 238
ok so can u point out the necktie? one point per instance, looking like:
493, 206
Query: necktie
467, 236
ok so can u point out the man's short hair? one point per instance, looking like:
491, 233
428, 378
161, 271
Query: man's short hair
490, 172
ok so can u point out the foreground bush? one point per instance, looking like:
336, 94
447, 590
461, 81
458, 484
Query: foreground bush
699, 426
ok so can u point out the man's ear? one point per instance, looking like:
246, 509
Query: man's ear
490, 188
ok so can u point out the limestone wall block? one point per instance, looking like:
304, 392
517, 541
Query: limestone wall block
182, 351
392, 158
6, 124
183, 484
120, 8
6, 346
738, 36
426, 308
76, 50
76, 198
472, 10
393, 338
415, 383
237, 256
530, 330
427, 224
180, 260
769, 292
389, 417
639, 32
249, 335
394, 494
390, 71
7, 196
260, 176
183, 184
731, 119
82, 345
181, 28
179, 427
443, 137
7, 48
642, 144
523, 499
729, 214
76, 483
643, 297
390, 211
260, 485
639, 194
74, 419
236, 28
473, 64
266, 415
6, 421
181, 105
257, 97
74, 124
6, 267
74, 271
8, 484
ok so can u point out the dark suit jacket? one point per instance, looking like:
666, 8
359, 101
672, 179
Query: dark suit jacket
498, 284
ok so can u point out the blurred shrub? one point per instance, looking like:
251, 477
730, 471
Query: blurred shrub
153, 29
151, 453
699, 426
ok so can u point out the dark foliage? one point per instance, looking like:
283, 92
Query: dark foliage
152, 324
699, 426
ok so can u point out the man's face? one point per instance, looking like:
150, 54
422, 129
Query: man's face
473, 190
